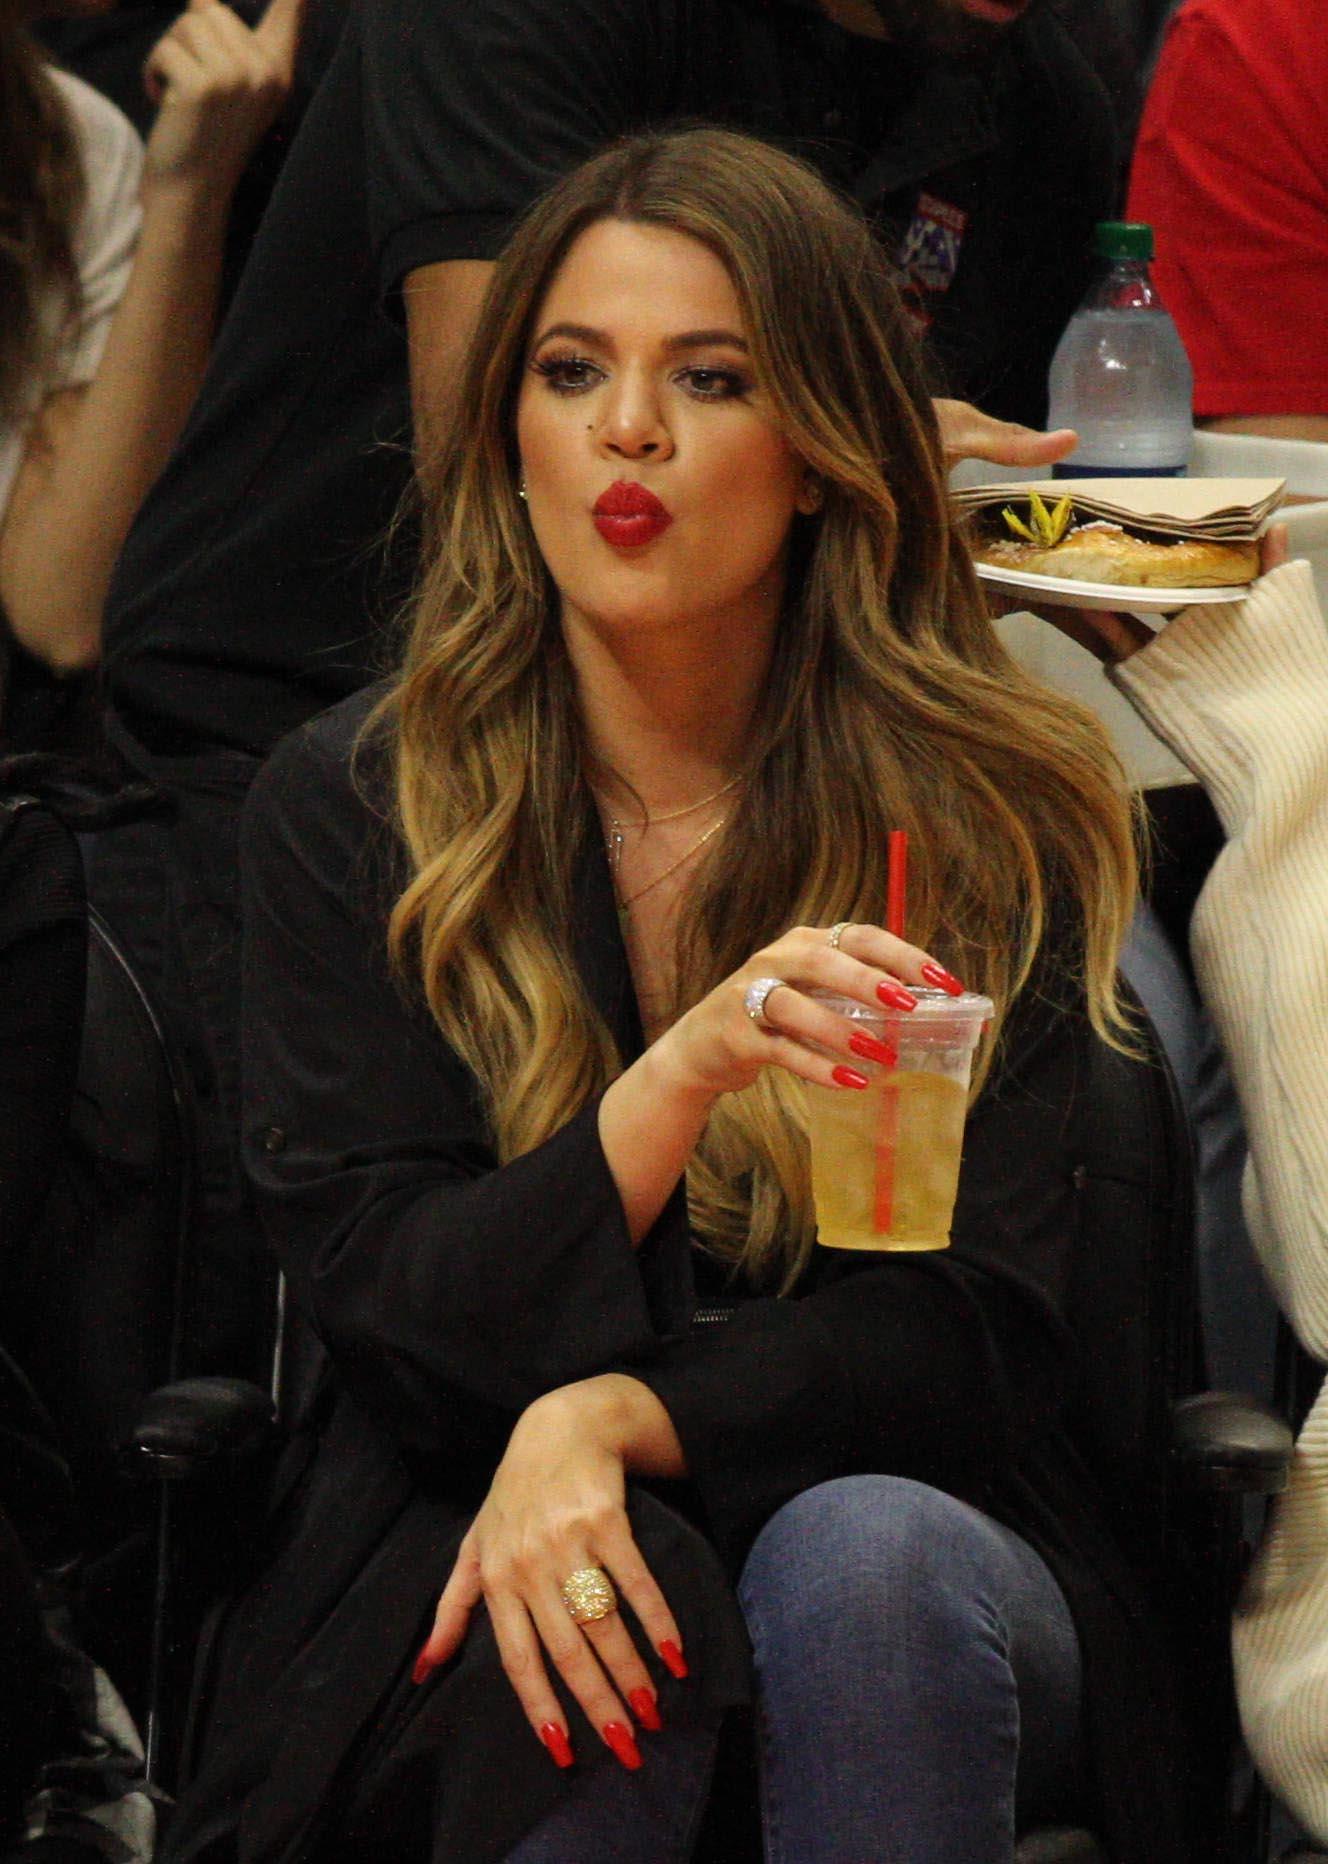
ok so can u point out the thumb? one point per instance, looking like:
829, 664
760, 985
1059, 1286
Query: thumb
968, 433
279, 30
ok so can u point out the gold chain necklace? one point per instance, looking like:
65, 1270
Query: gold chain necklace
674, 815
616, 849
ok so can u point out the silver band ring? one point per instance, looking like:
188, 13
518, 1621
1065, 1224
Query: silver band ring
753, 1000
837, 932
588, 1594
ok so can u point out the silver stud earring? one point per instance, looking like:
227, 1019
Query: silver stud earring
521, 490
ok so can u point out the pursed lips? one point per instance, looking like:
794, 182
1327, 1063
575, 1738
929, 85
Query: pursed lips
628, 514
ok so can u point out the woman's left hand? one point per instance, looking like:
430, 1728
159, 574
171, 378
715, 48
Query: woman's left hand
556, 1506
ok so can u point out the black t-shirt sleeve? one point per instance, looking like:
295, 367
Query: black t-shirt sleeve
449, 1291
474, 107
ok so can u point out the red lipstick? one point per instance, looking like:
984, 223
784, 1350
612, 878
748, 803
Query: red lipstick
628, 515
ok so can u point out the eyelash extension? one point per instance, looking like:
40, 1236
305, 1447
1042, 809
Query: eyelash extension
733, 382
549, 366
729, 383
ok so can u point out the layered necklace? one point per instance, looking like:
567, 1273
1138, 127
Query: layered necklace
615, 840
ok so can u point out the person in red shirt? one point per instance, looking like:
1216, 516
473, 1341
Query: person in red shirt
1231, 170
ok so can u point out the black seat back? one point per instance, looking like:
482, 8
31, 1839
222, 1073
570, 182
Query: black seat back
101, 1289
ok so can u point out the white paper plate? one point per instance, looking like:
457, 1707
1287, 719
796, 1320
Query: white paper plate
1129, 596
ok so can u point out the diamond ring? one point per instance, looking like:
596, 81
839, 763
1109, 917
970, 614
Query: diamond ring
588, 1594
754, 997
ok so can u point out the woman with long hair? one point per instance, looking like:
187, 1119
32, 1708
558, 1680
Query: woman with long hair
532, 942
110, 265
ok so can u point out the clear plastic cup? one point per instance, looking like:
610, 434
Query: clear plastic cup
885, 1158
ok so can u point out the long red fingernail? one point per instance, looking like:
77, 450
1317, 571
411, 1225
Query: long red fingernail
872, 1050
896, 996
619, 1738
645, 1710
673, 1657
847, 1077
943, 979
424, 1664
557, 1743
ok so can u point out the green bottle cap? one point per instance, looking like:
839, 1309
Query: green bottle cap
1123, 239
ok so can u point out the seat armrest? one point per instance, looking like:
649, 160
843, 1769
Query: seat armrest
1224, 1442
196, 1424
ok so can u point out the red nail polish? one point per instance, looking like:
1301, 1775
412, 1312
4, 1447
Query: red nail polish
847, 1077
424, 1666
645, 1710
557, 1743
673, 1657
943, 979
896, 996
619, 1738
872, 1050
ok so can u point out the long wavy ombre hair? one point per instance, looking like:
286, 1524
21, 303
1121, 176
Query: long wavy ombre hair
889, 702
41, 187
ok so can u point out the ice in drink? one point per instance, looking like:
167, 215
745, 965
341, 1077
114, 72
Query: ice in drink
885, 1162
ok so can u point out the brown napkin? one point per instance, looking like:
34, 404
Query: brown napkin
1223, 510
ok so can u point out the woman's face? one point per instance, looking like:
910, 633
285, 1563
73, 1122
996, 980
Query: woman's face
659, 488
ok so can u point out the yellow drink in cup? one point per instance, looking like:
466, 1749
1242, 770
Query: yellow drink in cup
885, 1159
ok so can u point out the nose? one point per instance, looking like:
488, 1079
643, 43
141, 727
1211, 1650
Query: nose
632, 423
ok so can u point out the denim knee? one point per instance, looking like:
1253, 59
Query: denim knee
937, 1646
843, 1559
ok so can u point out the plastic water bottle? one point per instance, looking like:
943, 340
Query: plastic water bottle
1120, 375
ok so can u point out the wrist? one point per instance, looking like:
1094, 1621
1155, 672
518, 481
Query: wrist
595, 1410
665, 1068
186, 209
615, 1415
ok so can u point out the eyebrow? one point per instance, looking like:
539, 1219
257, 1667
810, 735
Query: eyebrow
687, 340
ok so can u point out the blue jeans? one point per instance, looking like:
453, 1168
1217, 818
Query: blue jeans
918, 1677
919, 1692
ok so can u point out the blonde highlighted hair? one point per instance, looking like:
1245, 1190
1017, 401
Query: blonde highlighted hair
889, 702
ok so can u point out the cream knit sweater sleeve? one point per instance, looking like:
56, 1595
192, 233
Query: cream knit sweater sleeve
1240, 693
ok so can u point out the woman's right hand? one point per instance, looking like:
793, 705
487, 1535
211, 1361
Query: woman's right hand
717, 1048
652, 1116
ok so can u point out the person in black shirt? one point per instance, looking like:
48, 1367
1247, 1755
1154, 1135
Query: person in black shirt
534, 941
260, 581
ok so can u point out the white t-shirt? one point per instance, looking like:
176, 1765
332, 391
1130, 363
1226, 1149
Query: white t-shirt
105, 240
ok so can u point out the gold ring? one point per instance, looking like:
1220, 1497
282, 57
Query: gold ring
837, 932
588, 1594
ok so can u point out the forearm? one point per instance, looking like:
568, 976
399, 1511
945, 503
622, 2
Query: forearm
442, 305
1275, 426
86, 475
1241, 694
648, 1127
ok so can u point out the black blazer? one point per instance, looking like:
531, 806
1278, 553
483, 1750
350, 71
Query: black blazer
449, 1293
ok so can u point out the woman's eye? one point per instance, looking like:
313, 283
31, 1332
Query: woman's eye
567, 375
715, 384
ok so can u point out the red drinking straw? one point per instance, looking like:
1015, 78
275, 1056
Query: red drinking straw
887, 1134
896, 881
